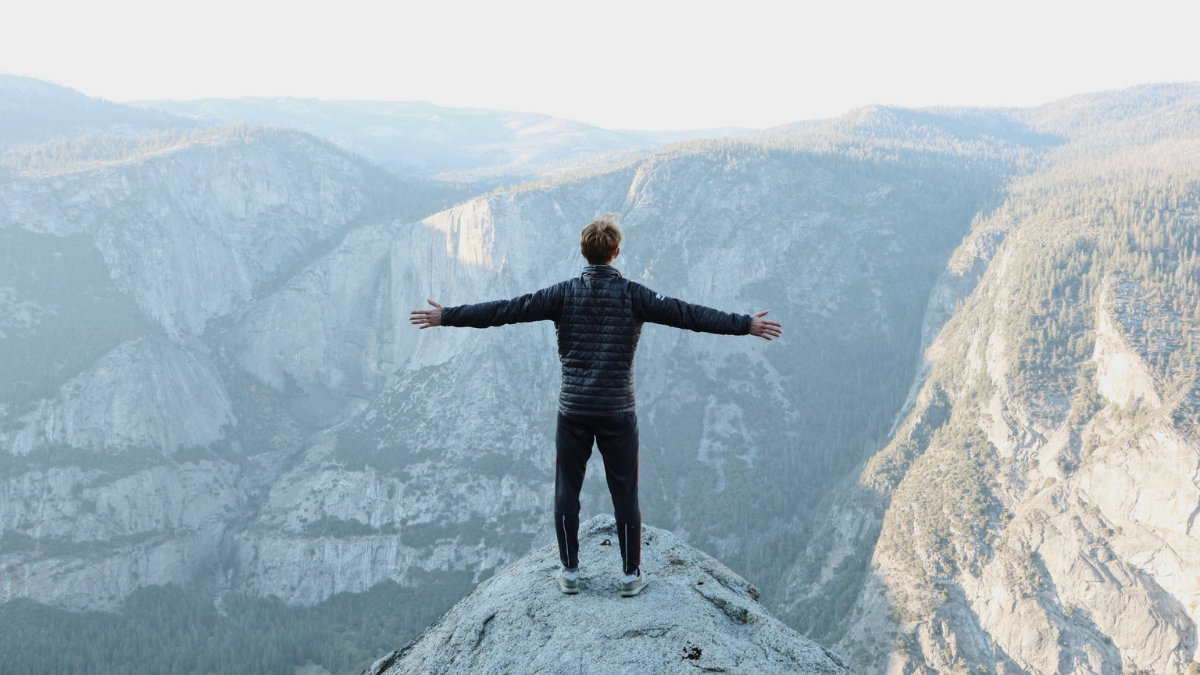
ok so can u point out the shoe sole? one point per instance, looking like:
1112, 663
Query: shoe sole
567, 590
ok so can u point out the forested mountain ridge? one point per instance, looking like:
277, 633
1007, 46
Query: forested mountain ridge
418, 139
1034, 509
33, 111
215, 386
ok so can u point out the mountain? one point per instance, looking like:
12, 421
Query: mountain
1033, 511
33, 111
220, 390
115, 414
734, 430
973, 448
695, 614
431, 141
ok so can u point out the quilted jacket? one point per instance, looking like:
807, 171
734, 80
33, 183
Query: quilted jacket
598, 317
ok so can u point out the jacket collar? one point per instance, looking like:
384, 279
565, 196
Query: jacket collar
600, 272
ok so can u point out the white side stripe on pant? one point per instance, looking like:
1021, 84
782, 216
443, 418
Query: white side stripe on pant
566, 542
625, 553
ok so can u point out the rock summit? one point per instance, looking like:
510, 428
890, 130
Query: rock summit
695, 616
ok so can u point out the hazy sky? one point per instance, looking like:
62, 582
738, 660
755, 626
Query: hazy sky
617, 64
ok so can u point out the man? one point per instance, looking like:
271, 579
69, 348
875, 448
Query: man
598, 318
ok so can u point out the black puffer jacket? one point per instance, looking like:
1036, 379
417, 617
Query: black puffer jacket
598, 317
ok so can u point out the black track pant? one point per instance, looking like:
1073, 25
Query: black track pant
617, 439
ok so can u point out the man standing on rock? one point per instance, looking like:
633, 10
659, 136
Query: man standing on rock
598, 317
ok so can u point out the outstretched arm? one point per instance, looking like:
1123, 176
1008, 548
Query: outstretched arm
658, 308
543, 305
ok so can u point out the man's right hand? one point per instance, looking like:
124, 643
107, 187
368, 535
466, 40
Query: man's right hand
427, 318
764, 328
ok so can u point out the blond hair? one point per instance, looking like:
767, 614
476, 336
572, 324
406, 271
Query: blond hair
600, 239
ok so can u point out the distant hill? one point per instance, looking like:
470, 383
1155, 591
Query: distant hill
426, 140
33, 111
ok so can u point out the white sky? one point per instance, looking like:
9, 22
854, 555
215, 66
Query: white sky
615, 63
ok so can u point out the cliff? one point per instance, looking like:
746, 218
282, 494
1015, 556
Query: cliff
1034, 510
695, 616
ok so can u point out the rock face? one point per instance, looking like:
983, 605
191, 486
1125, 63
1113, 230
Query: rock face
146, 393
695, 616
256, 201
124, 458
1034, 511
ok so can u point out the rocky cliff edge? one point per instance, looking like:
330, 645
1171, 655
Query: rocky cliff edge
695, 616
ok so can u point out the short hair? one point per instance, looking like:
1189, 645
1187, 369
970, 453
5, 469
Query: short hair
600, 239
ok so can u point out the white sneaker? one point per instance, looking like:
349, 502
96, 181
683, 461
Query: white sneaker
567, 586
632, 588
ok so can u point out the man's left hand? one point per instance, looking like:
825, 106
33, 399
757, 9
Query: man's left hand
426, 318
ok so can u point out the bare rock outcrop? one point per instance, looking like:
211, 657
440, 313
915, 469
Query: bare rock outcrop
696, 616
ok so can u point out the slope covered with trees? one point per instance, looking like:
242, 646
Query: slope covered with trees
34, 112
1034, 509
